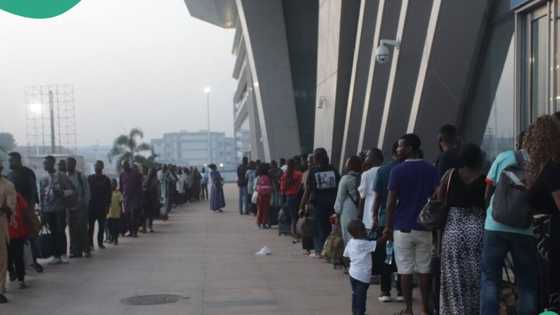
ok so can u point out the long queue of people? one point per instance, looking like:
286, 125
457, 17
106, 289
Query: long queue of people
495, 249
39, 213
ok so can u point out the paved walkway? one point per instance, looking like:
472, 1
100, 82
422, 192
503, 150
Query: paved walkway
203, 256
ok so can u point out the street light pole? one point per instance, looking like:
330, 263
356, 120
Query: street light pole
207, 91
51, 112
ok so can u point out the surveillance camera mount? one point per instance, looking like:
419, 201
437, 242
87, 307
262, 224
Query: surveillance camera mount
389, 42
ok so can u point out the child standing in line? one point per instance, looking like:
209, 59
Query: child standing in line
114, 215
359, 250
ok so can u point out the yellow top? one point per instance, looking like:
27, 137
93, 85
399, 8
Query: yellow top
116, 205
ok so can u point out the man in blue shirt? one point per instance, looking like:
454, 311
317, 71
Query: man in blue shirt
411, 184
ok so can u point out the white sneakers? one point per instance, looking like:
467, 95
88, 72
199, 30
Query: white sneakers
58, 261
385, 299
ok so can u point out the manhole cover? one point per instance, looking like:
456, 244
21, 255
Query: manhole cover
153, 299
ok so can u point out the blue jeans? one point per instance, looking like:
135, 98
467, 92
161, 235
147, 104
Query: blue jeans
524, 255
243, 208
359, 296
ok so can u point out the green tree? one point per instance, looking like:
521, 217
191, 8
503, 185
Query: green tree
131, 148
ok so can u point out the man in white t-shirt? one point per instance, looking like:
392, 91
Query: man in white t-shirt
373, 161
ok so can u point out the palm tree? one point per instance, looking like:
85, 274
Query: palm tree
131, 148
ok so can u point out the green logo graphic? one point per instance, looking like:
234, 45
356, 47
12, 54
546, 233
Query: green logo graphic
37, 9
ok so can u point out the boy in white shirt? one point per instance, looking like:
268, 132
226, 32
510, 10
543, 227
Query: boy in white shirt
359, 251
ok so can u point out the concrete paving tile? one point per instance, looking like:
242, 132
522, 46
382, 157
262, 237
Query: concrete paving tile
206, 256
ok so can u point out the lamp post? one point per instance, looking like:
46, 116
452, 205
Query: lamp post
207, 91
51, 110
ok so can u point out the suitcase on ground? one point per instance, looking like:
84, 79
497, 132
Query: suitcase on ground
284, 224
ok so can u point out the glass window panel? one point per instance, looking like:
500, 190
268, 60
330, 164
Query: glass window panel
499, 134
539, 67
556, 94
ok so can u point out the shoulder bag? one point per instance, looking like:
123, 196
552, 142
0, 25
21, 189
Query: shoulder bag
434, 214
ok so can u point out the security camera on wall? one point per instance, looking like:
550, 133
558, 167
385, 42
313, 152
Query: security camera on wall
382, 52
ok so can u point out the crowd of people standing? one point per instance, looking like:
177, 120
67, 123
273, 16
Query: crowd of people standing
380, 206
63, 214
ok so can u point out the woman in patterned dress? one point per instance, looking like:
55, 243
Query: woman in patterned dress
462, 236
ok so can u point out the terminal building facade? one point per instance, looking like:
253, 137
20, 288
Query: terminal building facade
309, 72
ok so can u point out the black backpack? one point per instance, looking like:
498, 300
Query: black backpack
510, 205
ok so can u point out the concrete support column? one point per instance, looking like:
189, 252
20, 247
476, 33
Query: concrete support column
338, 21
264, 33
404, 65
378, 75
451, 60
363, 50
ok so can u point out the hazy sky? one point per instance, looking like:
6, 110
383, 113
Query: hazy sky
133, 63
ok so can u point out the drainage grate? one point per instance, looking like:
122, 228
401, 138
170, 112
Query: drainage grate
153, 299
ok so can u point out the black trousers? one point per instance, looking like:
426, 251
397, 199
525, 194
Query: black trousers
56, 222
16, 264
134, 220
387, 271
100, 218
114, 228
78, 228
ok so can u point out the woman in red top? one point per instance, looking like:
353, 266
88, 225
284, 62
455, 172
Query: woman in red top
19, 232
290, 185
264, 190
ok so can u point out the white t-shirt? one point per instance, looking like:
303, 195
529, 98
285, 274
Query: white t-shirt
367, 193
359, 252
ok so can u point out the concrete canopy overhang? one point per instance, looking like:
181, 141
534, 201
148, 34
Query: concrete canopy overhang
221, 13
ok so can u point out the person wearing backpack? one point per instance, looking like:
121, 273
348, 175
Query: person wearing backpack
264, 191
501, 238
347, 205
542, 143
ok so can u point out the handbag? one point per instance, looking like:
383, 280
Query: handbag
434, 213
304, 227
254, 197
36, 225
45, 243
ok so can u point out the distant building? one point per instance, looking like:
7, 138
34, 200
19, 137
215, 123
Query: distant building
94, 153
187, 148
